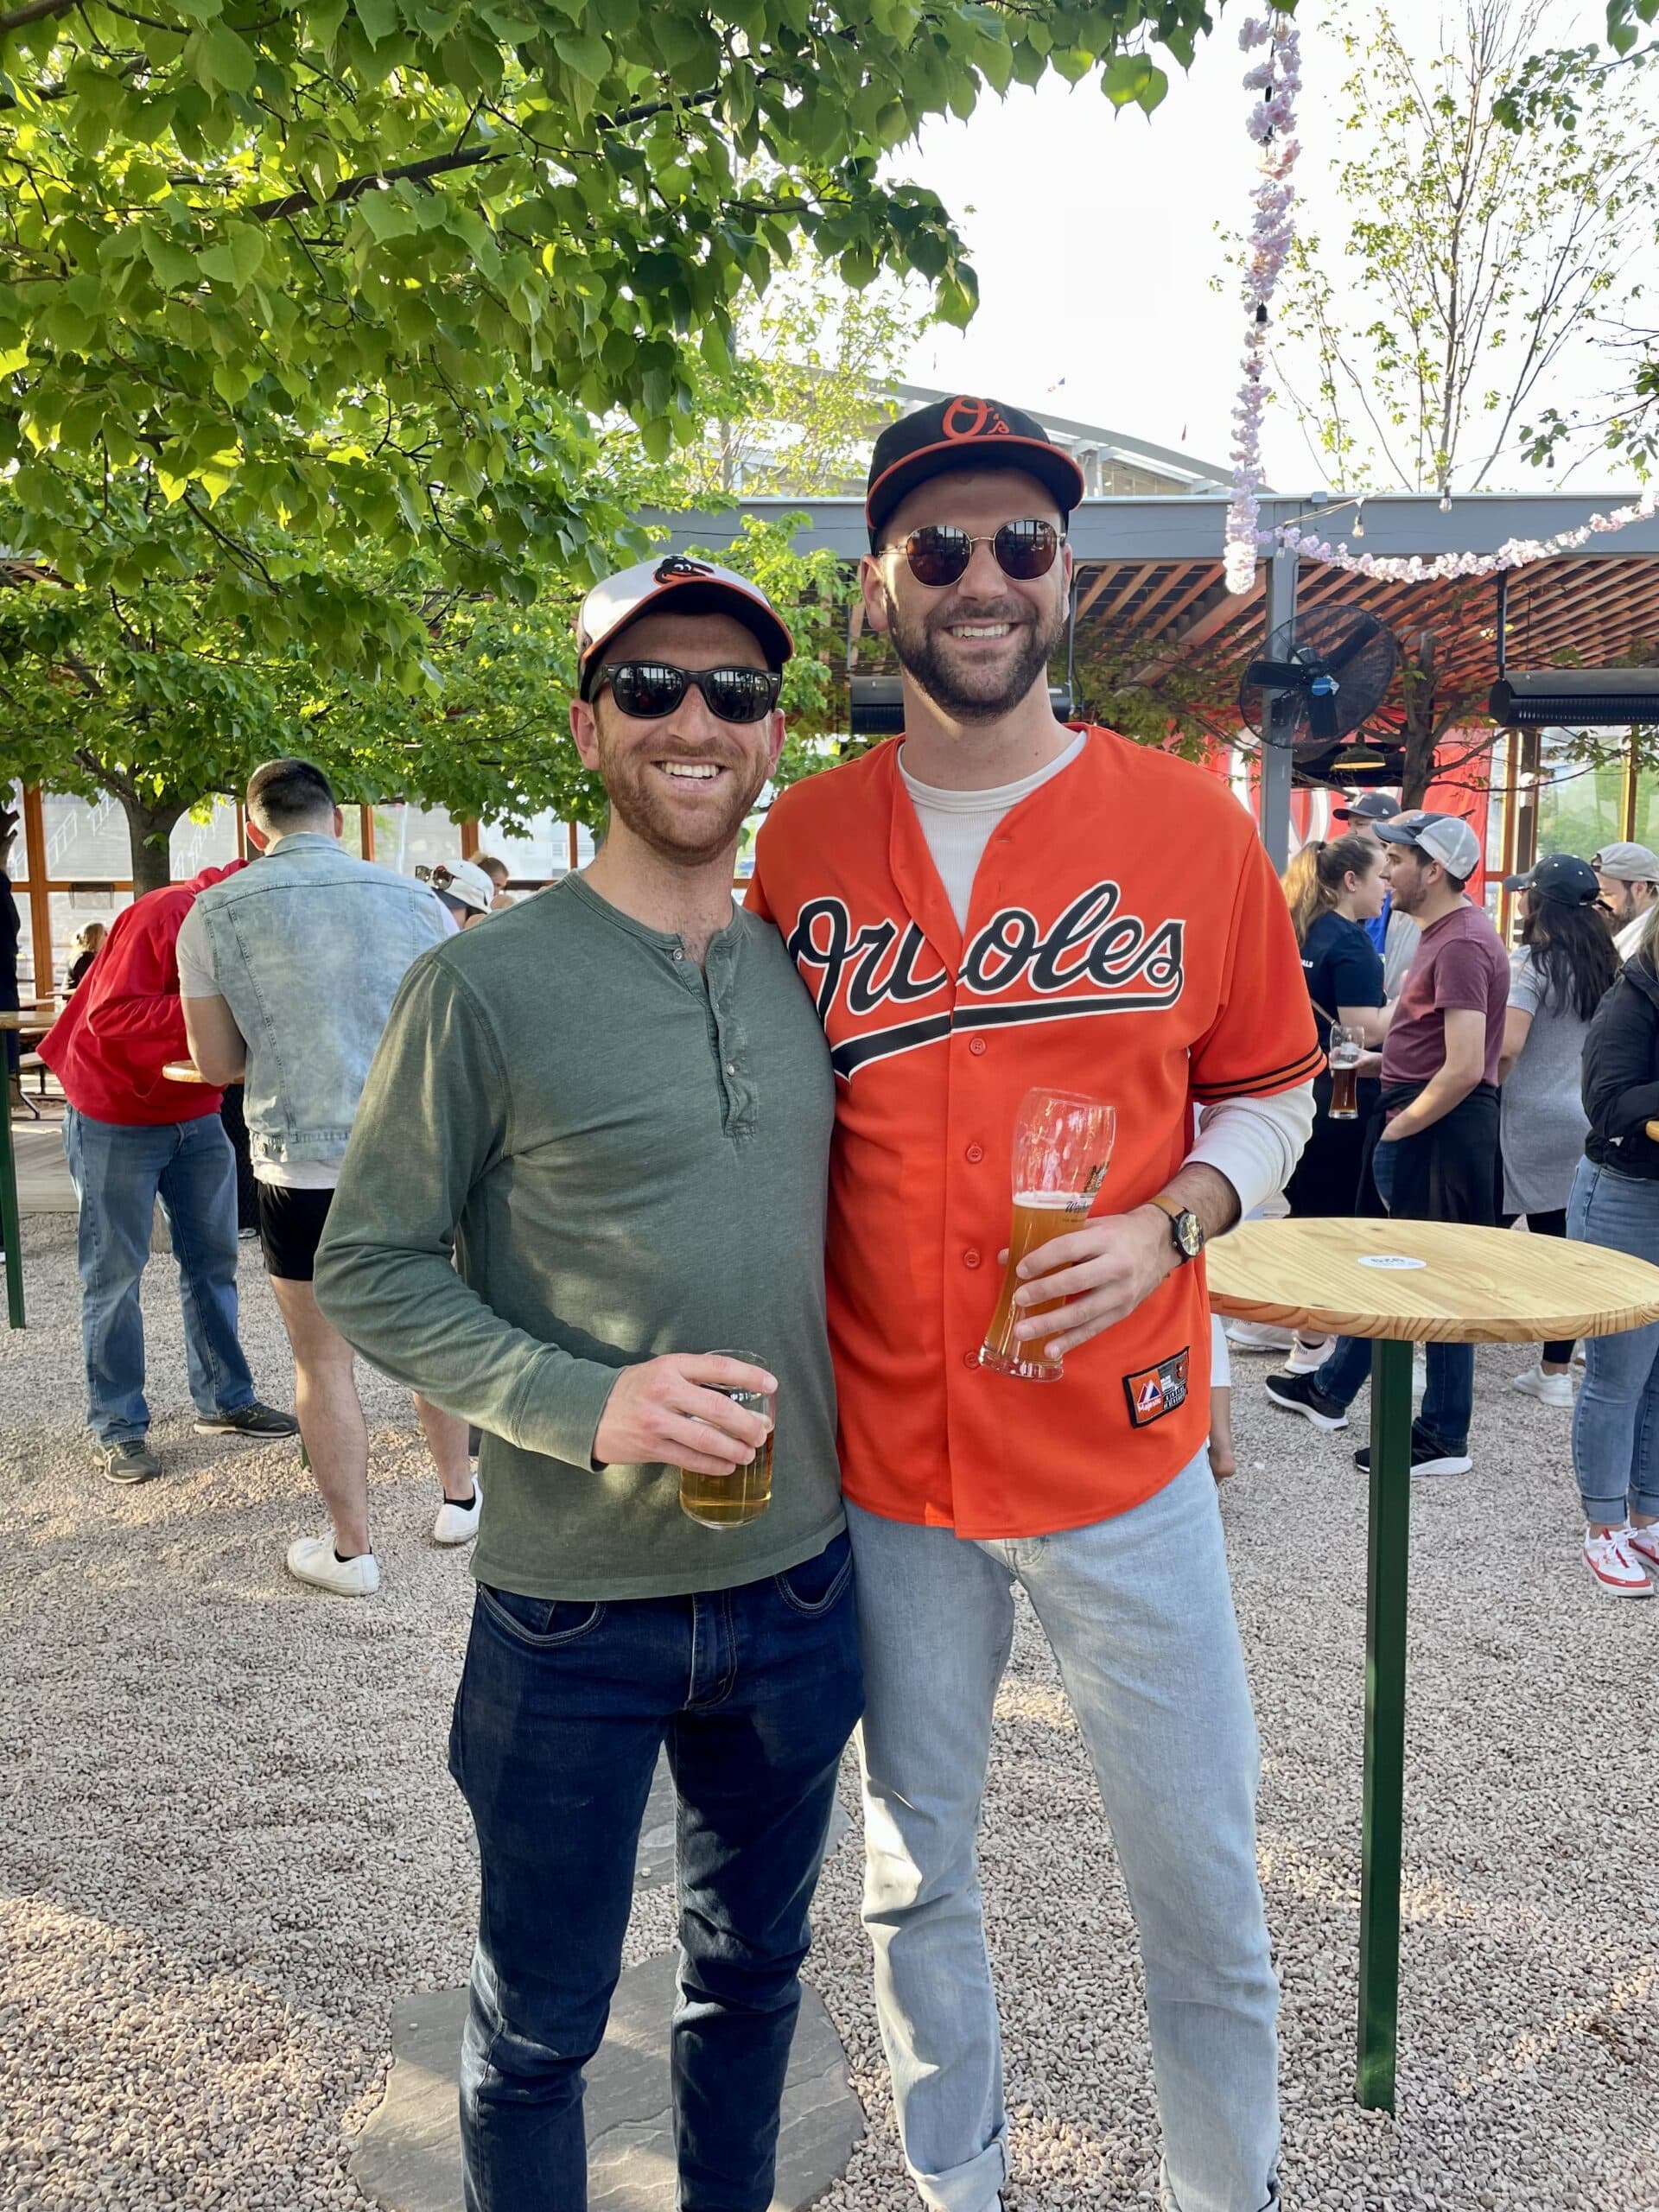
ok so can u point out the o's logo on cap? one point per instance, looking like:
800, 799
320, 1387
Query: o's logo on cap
973, 418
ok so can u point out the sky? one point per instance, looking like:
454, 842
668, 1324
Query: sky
1095, 240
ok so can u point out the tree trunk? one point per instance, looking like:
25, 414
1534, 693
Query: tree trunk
1417, 696
149, 831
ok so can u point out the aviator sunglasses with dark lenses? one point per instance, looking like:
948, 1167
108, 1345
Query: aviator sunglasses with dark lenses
648, 689
939, 553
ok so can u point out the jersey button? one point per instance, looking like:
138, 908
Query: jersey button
975, 1044
970, 1258
970, 1359
975, 1153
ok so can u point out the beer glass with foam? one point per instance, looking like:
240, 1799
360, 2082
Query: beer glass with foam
1062, 1147
1347, 1044
729, 1501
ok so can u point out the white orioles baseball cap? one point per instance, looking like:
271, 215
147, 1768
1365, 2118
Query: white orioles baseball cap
696, 586
1444, 837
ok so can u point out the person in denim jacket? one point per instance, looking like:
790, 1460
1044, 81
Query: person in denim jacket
287, 982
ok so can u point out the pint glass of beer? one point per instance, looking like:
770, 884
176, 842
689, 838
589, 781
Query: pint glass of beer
1346, 1046
729, 1501
1062, 1147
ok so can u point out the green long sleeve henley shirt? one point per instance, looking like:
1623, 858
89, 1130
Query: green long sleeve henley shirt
627, 1155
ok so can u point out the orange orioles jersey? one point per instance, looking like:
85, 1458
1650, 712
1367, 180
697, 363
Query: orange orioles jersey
1127, 938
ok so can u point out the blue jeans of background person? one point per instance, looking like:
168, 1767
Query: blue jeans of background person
1616, 1421
118, 1173
1449, 1389
562, 1708
1138, 1612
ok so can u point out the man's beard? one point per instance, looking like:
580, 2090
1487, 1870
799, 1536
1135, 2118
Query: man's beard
971, 694
629, 777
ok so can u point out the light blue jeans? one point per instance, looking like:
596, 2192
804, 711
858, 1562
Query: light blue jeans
1138, 1614
1616, 1421
118, 1173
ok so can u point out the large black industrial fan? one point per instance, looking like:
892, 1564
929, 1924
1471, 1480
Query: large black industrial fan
1319, 676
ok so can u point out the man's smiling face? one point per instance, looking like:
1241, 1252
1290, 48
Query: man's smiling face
683, 783
977, 646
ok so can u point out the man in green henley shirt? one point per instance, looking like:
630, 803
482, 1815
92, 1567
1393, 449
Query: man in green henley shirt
613, 1108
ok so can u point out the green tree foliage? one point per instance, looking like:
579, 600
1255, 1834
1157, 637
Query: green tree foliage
1470, 263
306, 261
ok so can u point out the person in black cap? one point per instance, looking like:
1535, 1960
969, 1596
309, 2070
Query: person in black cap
991, 901
1562, 970
615, 1103
1395, 935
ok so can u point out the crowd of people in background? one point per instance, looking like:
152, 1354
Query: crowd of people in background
1496, 1090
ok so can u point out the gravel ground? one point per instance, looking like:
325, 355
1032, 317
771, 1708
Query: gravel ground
229, 1842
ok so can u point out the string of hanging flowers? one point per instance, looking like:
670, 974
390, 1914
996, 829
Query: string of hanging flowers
1277, 80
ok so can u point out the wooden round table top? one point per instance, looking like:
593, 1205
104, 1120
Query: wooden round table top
1472, 1285
182, 1071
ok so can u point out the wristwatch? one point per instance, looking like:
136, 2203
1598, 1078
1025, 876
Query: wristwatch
1186, 1229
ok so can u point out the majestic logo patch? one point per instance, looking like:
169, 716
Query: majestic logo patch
1093, 958
1155, 1391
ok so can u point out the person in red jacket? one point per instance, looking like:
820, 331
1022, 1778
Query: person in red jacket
131, 1134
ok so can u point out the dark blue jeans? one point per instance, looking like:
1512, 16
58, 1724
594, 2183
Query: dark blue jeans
118, 1173
1449, 1387
562, 1708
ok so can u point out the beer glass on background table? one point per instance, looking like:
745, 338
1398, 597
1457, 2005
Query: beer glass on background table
1062, 1147
730, 1501
1347, 1044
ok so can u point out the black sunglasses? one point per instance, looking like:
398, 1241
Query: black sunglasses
648, 689
939, 553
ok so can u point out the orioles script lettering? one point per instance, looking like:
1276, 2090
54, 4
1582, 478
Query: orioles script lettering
1092, 959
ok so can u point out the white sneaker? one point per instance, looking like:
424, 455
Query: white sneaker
311, 1559
1644, 1544
1259, 1336
1548, 1390
1305, 1359
1609, 1558
458, 1524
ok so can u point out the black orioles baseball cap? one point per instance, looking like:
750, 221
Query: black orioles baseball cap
964, 432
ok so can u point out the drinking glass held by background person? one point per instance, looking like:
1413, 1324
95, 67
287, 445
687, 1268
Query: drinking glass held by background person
615, 1104
991, 901
286, 973
1615, 1202
130, 1137
1559, 974
1434, 1158
1334, 890
1628, 876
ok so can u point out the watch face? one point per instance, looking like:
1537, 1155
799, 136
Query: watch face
1189, 1233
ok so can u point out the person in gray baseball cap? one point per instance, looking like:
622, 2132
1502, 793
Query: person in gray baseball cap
1435, 1148
1629, 876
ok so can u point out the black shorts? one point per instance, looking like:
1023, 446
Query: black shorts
290, 1229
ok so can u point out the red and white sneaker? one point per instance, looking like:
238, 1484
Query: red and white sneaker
1608, 1555
1644, 1544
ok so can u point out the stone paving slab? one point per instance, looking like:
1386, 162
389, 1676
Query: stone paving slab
408, 2159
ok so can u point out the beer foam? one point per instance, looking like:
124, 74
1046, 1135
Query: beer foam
1052, 1201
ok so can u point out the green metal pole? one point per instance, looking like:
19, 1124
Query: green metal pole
11, 1228
1385, 1722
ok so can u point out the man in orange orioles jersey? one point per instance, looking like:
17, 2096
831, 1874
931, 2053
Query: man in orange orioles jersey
993, 902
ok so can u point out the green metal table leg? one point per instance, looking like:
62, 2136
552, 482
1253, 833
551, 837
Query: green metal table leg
1385, 1721
9, 1226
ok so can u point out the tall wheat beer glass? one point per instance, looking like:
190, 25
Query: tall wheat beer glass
1062, 1147
729, 1501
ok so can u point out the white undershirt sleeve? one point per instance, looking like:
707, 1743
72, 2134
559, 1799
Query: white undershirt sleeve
1255, 1142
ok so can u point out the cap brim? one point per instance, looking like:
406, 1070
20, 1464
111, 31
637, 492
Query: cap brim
699, 595
1518, 882
1392, 834
1051, 466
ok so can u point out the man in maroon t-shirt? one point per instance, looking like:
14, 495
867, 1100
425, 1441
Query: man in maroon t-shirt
1434, 1153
